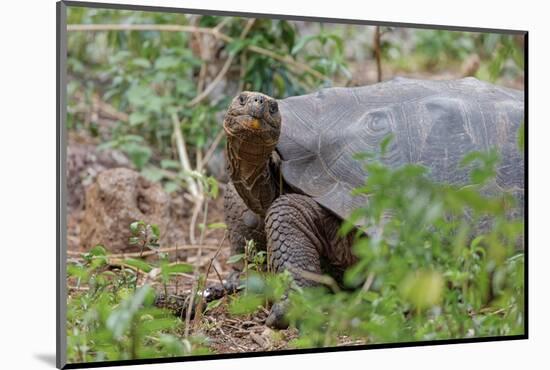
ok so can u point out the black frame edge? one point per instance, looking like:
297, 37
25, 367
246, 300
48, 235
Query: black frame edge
61, 235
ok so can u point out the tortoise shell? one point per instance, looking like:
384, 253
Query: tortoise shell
434, 123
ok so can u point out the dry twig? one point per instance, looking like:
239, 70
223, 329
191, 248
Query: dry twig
197, 99
184, 157
201, 302
378, 53
211, 150
152, 252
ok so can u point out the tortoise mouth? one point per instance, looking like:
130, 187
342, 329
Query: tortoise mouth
252, 130
253, 123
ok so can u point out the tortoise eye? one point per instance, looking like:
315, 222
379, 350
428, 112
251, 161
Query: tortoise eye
273, 107
242, 99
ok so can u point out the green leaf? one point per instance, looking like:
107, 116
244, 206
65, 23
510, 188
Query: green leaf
385, 143
236, 46
166, 62
136, 226
217, 225
120, 319
98, 250
149, 327
138, 95
76, 271
235, 258
171, 187
136, 118
141, 62
245, 304
423, 288
173, 345
213, 187
139, 154
483, 165
170, 164
138, 264
152, 173
279, 83
301, 43
155, 230
213, 304
178, 268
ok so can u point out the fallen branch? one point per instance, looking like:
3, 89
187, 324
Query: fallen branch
259, 340
147, 27
104, 107
154, 273
237, 345
152, 252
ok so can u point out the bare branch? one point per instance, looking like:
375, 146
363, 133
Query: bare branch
196, 210
377, 53
211, 150
184, 157
152, 252
148, 27
287, 60
197, 99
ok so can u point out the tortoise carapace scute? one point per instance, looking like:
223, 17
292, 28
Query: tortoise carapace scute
434, 123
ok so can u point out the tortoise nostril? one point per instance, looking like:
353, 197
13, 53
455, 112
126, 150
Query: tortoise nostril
259, 99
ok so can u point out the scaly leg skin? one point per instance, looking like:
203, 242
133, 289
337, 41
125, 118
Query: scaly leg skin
242, 225
300, 235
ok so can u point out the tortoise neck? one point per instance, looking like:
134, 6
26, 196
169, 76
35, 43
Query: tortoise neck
250, 169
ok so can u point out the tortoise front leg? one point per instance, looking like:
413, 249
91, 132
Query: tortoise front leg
242, 225
300, 235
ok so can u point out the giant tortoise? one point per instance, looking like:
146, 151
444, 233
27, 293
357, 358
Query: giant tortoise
292, 168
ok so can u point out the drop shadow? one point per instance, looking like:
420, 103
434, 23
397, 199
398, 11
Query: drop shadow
47, 358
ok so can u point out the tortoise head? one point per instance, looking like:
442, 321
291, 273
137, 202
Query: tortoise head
253, 117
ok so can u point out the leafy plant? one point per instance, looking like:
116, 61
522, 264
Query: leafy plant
328, 52
110, 317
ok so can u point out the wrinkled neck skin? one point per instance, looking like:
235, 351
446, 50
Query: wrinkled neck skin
249, 167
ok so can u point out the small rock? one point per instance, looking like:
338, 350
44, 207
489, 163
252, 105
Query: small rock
119, 197
84, 163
